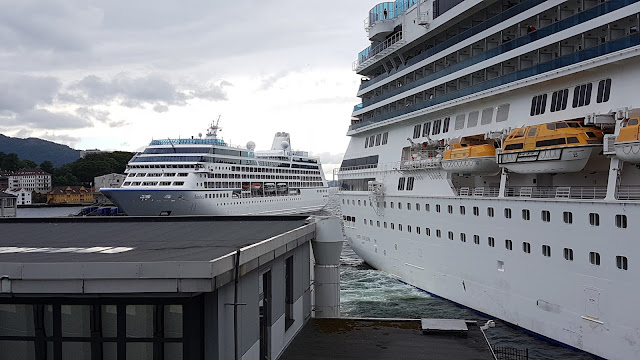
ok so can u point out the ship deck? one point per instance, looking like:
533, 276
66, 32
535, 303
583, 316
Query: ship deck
348, 338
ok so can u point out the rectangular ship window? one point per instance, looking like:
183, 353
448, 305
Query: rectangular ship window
621, 221
594, 258
567, 217
491, 241
490, 212
476, 211
526, 215
594, 219
463, 237
476, 239
604, 89
462, 210
450, 209
545, 215
526, 247
508, 244
450, 235
507, 213
621, 262
546, 250
385, 137
438, 233
401, 183
416, 131
568, 254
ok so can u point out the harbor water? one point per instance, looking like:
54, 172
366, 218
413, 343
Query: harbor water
366, 292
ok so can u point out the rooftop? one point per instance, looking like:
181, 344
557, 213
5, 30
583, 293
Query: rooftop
385, 339
134, 239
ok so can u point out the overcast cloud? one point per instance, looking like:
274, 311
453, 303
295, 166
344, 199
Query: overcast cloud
75, 66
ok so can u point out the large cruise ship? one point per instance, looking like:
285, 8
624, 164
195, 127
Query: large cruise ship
206, 176
494, 161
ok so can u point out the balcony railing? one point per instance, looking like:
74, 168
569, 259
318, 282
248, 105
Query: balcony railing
628, 193
557, 192
370, 52
480, 191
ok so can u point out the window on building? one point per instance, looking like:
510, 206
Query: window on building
604, 90
546, 250
408, 206
490, 212
288, 292
401, 183
417, 206
621, 221
393, 227
399, 205
594, 219
526, 247
507, 213
463, 237
621, 262
594, 258
567, 216
559, 100
378, 138
476, 211
450, 209
462, 210
450, 233
417, 229
436, 127
491, 241
568, 254
437, 207
526, 214
545, 215
476, 239
399, 227
426, 207
582, 95
427, 231
385, 137
508, 244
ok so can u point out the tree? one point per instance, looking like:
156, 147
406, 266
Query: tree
27, 164
11, 162
47, 166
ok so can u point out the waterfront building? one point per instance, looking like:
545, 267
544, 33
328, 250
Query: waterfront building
70, 194
23, 196
159, 288
8, 205
30, 179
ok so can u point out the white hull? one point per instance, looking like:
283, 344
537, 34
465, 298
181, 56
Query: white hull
560, 160
192, 202
575, 302
476, 165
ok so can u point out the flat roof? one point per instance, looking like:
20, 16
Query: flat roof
139, 254
383, 339
139, 239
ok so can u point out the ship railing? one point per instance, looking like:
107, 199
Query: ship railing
479, 191
370, 52
628, 192
557, 192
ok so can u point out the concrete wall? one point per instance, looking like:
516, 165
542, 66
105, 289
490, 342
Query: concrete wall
219, 323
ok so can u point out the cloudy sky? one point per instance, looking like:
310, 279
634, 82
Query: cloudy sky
114, 74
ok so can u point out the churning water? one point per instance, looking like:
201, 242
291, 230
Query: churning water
366, 292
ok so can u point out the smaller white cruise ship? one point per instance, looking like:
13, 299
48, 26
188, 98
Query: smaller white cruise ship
206, 176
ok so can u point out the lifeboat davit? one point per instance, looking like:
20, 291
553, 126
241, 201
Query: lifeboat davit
627, 145
470, 156
559, 147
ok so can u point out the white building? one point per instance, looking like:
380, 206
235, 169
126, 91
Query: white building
30, 180
23, 197
108, 181
84, 153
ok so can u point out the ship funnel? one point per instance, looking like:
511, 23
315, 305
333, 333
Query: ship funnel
279, 139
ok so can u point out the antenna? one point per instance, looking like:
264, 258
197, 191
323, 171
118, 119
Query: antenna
171, 143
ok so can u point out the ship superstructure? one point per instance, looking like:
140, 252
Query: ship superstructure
206, 176
494, 159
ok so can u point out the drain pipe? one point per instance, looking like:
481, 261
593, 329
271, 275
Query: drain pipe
327, 247
235, 305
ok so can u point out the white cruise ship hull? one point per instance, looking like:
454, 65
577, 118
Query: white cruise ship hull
194, 202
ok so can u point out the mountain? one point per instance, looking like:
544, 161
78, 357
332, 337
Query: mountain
38, 150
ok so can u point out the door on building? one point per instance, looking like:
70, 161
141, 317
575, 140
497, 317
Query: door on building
265, 315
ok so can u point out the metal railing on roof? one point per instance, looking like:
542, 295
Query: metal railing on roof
557, 192
370, 52
628, 192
